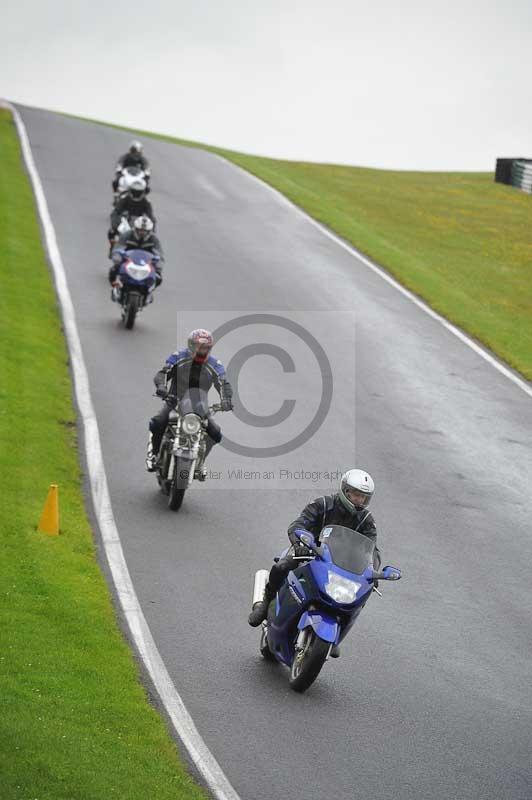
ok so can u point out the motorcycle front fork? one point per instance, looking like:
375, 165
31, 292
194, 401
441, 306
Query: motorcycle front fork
302, 640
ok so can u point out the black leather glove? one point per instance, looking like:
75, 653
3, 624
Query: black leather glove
226, 405
162, 392
300, 551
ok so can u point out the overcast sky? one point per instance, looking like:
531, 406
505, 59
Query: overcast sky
388, 83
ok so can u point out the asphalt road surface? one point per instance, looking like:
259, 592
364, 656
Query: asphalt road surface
431, 697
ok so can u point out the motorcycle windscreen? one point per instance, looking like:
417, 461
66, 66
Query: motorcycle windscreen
194, 401
140, 257
349, 549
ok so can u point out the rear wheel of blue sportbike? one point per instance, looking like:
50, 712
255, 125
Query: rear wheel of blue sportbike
308, 661
265, 651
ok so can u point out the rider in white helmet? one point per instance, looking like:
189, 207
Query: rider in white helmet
134, 204
348, 507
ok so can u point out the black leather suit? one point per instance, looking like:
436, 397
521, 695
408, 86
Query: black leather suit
328, 510
181, 374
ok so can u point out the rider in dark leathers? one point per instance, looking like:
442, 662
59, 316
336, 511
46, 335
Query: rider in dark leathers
133, 158
134, 204
348, 507
141, 237
195, 371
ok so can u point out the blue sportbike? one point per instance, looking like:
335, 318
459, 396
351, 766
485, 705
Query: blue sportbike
136, 280
319, 602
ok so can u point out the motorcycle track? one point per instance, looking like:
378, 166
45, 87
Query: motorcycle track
430, 698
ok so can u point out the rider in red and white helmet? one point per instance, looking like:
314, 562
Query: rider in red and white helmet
200, 344
191, 370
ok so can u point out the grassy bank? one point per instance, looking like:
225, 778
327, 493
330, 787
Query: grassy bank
75, 721
458, 240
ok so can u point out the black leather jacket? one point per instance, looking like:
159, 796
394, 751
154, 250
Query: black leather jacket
133, 160
131, 208
329, 510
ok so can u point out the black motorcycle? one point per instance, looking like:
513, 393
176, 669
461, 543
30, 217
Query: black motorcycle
182, 450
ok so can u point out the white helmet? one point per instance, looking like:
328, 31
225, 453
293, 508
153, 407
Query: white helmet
143, 225
135, 147
356, 490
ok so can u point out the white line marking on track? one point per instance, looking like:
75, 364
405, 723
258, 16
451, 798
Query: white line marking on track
283, 200
175, 708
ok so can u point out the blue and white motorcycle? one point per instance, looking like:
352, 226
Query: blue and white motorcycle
319, 601
136, 281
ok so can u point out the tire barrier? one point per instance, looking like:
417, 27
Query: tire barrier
515, 172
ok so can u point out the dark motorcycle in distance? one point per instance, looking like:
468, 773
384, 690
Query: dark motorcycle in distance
182, 450
319, 602
135, 283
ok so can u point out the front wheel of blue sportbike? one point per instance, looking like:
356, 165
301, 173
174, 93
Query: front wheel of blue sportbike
265, 651
308, 661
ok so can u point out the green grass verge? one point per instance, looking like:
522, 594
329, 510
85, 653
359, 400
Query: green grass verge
75, 723
458, 240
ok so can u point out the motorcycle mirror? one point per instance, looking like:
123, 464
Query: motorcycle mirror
301, 535
391, 573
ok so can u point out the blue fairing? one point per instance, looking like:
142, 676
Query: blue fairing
139, 258
303, 600
326, 628
320, 571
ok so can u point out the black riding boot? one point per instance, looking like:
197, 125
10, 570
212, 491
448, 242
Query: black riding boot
260, 609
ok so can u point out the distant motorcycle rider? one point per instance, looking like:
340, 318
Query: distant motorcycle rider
141, 237
133, 158
348, 507
192, 369
134, 204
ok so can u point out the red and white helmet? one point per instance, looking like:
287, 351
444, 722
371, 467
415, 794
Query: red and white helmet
356, 490
200, 344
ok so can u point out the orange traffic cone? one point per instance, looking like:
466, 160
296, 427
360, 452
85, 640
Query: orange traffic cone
49, 522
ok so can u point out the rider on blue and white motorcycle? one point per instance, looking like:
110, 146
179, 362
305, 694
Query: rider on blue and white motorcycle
141, 237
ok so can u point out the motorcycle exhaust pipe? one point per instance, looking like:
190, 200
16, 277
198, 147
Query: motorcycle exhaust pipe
261, 579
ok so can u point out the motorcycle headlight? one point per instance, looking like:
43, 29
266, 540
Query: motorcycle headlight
191, 423
340, 589
138, 271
